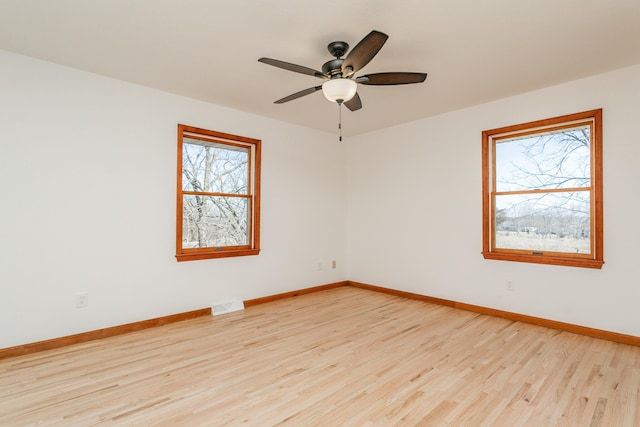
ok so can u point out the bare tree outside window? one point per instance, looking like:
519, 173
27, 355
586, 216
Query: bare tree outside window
542, 190
543, 181
208, 220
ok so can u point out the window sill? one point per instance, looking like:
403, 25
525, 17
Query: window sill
570, 262
215, 254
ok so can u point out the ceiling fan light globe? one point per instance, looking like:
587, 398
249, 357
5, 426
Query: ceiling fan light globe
339, 90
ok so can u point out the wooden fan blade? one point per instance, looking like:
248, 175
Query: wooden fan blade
298, 94
354, 103
293, 67
364, 52
391, 78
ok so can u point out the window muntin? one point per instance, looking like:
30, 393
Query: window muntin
218, 195
542, 191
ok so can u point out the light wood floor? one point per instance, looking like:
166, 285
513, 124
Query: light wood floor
341, 357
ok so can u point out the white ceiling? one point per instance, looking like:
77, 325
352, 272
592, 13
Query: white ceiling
474, 51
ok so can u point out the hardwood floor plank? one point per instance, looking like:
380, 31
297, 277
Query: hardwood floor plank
342, 356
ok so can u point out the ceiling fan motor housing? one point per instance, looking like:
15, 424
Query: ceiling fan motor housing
333, 68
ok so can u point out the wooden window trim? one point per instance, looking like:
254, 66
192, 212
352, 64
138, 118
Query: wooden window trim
596, 258
253, 248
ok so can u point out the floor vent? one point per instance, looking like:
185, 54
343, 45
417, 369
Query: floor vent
227, 307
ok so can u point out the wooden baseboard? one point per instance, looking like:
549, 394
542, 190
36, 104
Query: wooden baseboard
99, 334
270, 298
145, 324
562, 326
403, 294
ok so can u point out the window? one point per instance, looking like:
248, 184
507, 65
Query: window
218, 203
542, 191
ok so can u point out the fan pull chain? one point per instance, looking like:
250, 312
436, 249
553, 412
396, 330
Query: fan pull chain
340, 120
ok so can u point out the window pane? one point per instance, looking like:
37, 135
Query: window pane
213, 221
214, 168
558, 222
553, 160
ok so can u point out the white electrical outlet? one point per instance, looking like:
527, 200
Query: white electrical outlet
509, 286
333, 264
82, 300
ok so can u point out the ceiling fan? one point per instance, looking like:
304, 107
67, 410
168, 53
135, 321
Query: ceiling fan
341, 84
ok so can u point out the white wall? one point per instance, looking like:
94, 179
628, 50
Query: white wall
414, 203
87, 187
